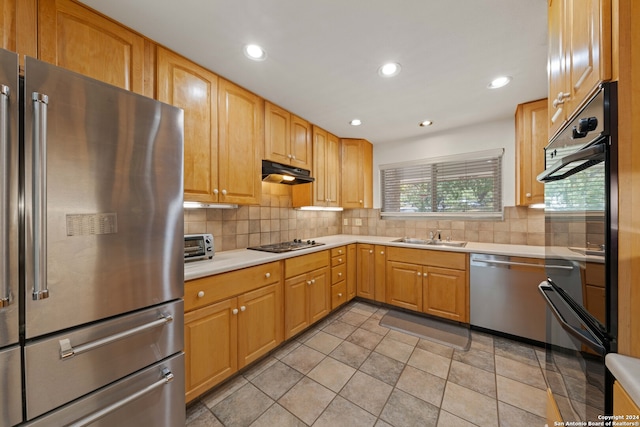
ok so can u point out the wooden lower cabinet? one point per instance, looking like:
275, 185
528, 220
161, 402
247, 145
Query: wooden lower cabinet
352, 271
432, 282
307, 296
371, 271
224, 333
339, 261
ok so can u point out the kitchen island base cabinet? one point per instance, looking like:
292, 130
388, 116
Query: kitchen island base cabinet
231, 320
431, 282
307, 292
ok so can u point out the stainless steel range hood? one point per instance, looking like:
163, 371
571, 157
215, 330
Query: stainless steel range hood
284, 174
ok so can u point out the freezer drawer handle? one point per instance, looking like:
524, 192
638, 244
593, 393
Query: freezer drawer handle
39, 177
523, 264
5, 294
67, 350
167, 377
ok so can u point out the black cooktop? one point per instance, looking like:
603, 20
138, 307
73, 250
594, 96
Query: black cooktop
294, 245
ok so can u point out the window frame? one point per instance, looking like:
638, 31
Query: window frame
495, 154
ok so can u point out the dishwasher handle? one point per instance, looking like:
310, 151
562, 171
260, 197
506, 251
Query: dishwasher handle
521, 264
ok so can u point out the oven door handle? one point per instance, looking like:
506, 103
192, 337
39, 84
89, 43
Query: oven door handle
591, 155
583, 335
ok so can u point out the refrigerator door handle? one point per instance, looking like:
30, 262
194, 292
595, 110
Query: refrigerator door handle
167, 377
67, 350
5, 290
39, 177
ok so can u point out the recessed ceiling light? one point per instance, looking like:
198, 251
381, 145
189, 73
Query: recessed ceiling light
355, 122
425, 123
389, 69
499, 82
254, 52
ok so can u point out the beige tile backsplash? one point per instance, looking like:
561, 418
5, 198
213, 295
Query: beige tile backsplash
275, 221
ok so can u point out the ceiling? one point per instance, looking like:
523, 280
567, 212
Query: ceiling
323, 56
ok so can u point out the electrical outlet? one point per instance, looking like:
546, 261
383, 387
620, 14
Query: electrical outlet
357, 221
345, 221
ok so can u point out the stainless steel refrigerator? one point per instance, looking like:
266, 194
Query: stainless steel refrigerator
91, 310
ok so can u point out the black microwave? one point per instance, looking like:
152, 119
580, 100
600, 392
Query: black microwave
198, 247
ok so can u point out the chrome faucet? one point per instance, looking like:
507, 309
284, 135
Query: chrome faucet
432, 235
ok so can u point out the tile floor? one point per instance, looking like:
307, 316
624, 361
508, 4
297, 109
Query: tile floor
349, 371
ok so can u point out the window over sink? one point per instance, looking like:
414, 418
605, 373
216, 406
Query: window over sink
464, 185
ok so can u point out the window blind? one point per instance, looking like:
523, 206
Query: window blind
451, 185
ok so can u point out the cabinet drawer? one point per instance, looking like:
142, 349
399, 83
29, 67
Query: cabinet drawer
338, 294
338, 273
338, 260
455, 260
207, 290
341, 250
305, 263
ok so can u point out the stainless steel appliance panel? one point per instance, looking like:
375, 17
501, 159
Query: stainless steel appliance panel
504, 296
89, 358
103, 200
9, 93
10, 387
152, 397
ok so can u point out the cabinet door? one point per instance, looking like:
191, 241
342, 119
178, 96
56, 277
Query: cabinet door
532, 137
319, 294
589, 51
556, 65
295, 305
320, 145
241, 143
445, 293
210, 346
332, 171
301, 147
277, 134
18, 24
366, 271
380, 263
352, 270
74, 37
404, 285
352, 178
259, 323
194, 89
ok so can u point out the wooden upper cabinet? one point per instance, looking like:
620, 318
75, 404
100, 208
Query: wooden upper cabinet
531, 138
579, 55
357, 173
18, 23
287, 137
325, 190
194, 89
74, 37
241, 144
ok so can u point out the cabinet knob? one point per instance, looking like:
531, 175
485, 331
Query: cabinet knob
289, 156
224, 192
339, 274
308, 282
215, 191
424, 274
267, 275
370, 251
419, 274
528, 195
360, 201
293, 157
340, 294
381, 252
313, 281
234, 311
340, 251
200, 294
339, 259
243, 308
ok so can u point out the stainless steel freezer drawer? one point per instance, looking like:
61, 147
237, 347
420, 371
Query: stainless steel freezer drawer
69, 365
10, 387
152, 397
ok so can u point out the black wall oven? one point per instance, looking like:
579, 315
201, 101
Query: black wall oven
581, 200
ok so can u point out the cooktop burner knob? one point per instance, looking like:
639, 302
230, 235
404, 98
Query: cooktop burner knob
296, 240
308, 242
313, 242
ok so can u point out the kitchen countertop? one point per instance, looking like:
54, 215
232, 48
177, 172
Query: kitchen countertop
626, 369
242, 258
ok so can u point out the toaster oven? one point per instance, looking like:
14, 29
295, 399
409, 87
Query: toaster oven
198, 247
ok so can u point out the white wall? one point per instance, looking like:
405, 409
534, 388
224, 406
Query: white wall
498, 134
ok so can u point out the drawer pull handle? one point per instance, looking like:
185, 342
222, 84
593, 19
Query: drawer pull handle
67, 350
200, 294
339, 259
339, 274
267, 275
340, 251
340, 294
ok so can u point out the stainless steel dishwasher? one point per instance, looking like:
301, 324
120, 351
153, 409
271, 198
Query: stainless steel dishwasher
504, 294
